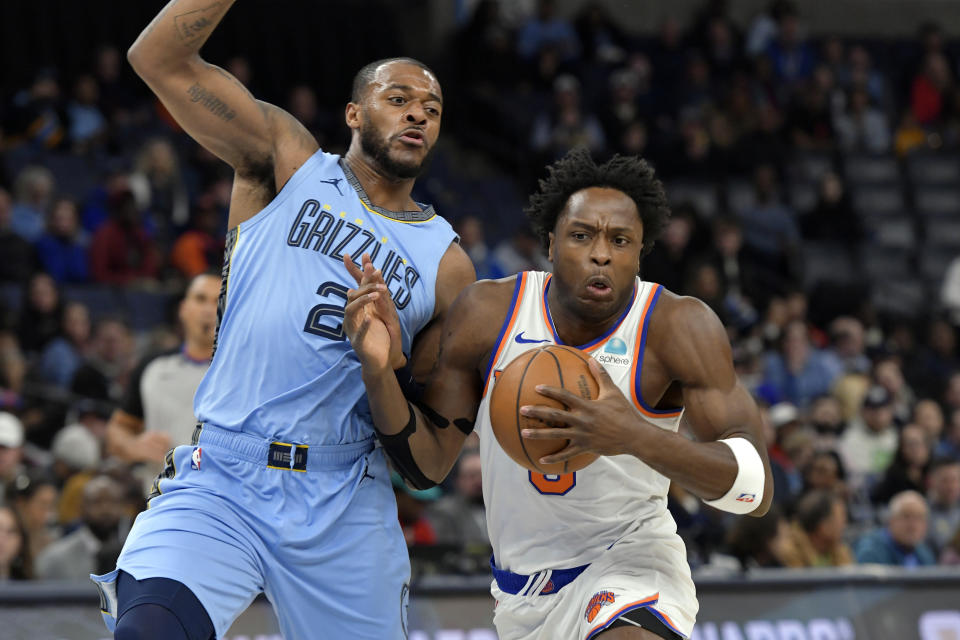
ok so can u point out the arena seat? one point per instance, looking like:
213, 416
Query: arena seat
933, 168
862, 169
877, 200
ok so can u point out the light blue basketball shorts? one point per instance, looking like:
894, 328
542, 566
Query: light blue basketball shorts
318, 534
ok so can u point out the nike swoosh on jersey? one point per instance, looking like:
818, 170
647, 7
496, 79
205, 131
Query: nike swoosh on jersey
519, 338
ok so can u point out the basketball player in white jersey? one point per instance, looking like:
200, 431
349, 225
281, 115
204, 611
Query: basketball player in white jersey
593, 553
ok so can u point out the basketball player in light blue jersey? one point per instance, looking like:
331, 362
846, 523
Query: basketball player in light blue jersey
285, 490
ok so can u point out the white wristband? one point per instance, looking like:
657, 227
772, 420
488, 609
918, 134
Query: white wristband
747, 491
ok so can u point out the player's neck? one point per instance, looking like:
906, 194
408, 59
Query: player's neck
576, 330
383, 191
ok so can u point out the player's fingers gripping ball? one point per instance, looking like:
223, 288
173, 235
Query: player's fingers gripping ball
552, 365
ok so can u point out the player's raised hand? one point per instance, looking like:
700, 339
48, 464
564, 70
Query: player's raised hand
370, 306
605, 426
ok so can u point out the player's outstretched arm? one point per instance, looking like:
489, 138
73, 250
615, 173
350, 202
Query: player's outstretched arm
727, 464
209, 103
434, 428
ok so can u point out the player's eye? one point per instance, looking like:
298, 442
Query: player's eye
433, 111
578, 235
396, 100
620, 240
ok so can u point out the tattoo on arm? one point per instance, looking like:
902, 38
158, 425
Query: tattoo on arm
211, 103
193, 25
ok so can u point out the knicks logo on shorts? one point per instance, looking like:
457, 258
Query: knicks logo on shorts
597, 602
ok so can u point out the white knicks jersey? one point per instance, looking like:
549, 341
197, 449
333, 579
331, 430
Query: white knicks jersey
538, 522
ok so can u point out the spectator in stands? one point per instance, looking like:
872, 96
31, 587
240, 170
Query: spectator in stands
949, 445
34, 189
949, 291
158, 186
818, 532
412, 512
908, 470
76, 555
930, 89
792, 57
19, 257
103, 374
602, 40
302, 105
121, 252
951, 553
566, 125
37, 119
737, 277
862, 126
847, 350
12, 368
459, 517
887, 373
88, 126
761, 542
798, 372
547, 29
672, 255
40, 315
786, 439
901, 541
861, 73
520, 252
76, 455
199, 249
810, 117
157, 410
34, 495
826, 417
63, 248
471, 232
937, 360
870, 440
769, 230
11, 451
832, 219
15, 560
825, 472
928, 415
64, 354
943, 497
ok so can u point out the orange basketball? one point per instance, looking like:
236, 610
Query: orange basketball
553, 365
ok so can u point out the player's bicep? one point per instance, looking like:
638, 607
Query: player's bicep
714, 413
215, 109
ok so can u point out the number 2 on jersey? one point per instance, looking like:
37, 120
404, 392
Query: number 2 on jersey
313, 324
553, 485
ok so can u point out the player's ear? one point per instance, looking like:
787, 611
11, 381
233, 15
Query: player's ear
550, 247
353, 115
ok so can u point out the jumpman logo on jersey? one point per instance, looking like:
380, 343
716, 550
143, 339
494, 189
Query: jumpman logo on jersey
335, 182
366, 471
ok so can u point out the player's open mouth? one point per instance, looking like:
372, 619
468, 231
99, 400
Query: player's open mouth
599, 286
412, 137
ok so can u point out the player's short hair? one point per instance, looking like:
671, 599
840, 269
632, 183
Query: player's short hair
577, 170
365, 76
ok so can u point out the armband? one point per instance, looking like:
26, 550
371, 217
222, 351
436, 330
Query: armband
747, 490
397, 447
412, 390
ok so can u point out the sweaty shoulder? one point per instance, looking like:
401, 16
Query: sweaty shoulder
690, 341
476, 318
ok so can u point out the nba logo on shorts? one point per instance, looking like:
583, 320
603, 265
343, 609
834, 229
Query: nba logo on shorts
195, 459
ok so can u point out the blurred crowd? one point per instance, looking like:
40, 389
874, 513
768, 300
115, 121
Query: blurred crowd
816, 211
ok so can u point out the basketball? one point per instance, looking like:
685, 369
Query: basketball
553, 365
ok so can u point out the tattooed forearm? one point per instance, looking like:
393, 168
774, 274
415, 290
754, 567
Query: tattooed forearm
193, 26
211, 103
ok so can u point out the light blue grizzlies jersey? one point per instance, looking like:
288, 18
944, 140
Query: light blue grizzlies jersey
282, 367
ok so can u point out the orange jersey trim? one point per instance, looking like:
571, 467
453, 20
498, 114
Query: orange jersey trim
507, 327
